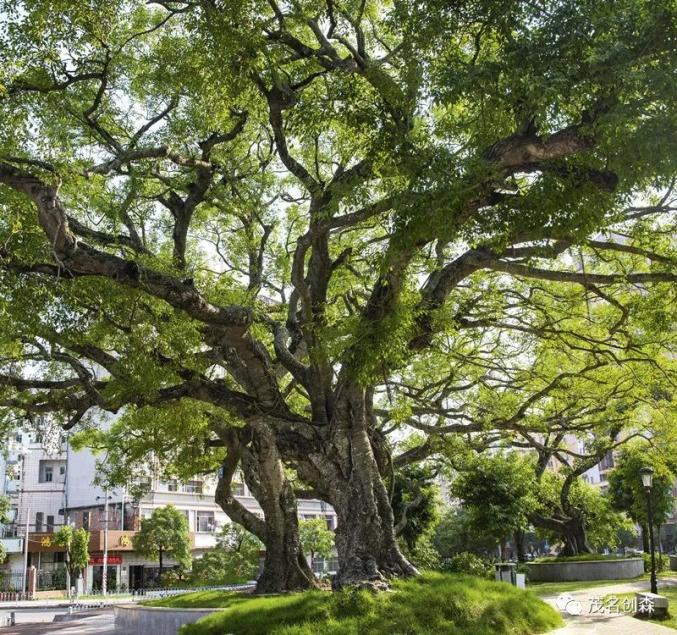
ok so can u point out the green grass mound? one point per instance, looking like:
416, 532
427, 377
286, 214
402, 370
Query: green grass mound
431, 604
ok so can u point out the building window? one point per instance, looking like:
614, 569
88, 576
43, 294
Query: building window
193, 487
607, 462
172, 486
48, 474
238, 489
85, 520
142, 483
62, 470
205, 522
39, 519
330, 523
50, 524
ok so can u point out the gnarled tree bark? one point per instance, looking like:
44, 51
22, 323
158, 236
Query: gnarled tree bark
346, 473
285, 567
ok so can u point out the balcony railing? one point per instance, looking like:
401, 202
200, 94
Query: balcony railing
18, 529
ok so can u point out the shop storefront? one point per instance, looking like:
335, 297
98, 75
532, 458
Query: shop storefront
114, 566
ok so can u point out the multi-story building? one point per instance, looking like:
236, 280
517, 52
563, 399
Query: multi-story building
51, 488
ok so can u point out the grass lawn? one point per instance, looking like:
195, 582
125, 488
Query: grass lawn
555, 588
668, 592
434, 603
201, 600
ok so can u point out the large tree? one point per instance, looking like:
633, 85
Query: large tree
290, 214
499, 494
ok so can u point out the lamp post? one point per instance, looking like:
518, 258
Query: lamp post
647, 481
104, 579
23, 454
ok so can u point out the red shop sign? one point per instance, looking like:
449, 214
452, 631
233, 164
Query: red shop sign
111, 560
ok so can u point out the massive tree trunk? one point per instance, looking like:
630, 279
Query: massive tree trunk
285, 567
570, 528
575, 537
347, 473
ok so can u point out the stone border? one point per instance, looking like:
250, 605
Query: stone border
584, 570
131, 619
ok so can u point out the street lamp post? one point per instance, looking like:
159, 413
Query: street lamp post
104, 580
23, 454
647, 481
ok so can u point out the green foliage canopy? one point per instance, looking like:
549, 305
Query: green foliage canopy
626, 490
459, 215
234, 559
75, 543
164, 533
316, 539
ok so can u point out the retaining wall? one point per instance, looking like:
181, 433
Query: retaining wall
131, 619
570, 571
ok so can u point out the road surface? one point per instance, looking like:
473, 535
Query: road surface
100, 622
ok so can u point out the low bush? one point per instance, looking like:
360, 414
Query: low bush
430, 604
470, 564
662, 562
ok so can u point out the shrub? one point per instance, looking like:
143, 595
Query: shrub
470, 564
661, 562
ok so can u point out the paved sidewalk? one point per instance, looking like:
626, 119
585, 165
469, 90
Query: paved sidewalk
63, 603
606, 622
96, 623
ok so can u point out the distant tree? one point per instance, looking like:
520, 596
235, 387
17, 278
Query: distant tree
601, 524
4, 510
165, 533
457, 533
497, 491
241, 550
415, 503
75, 543
627, 492
234, 559
316, 539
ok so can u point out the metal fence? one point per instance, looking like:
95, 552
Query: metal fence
11, 581
155, 593
14, 596
161, 592
51, 579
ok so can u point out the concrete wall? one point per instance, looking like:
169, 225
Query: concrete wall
621, 569
144, 620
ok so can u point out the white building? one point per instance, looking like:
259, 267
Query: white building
53, 488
